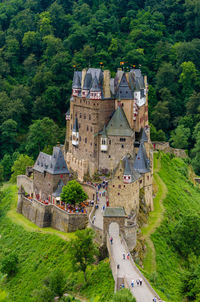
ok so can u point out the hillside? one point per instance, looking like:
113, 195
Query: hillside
42, 42
41, 253
176, 239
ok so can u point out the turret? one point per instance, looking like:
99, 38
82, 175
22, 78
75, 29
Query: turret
95, 91
86, 85
76, 86
104, 140
127, 172
75, 133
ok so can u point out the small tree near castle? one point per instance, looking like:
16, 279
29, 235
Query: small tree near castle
73, 193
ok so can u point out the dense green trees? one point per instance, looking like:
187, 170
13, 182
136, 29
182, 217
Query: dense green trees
40, 42
83, 250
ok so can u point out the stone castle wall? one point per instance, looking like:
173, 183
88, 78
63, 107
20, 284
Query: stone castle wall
90, 190
165, 147
26, 182
116, 150
81, 166
50, 215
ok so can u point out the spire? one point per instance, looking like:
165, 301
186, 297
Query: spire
95, 85
144, 137
141, 163
75, 127
127, 169
76, 81
104, 132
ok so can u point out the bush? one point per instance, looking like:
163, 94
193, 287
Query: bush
124, 295
9, 264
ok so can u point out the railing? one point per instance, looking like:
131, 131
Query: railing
138, 271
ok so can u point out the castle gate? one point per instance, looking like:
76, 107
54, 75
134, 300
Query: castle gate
113, 222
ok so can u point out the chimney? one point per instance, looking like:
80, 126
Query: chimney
106, 84
83, 77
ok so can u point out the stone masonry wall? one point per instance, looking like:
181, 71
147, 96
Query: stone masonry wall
116, 150
26, 182
50, 215
121, 194
46, 184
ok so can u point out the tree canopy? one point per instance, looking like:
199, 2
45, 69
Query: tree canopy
73, 193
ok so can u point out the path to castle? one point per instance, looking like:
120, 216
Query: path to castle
127, 269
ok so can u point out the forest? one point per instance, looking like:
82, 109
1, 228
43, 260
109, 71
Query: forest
41, 42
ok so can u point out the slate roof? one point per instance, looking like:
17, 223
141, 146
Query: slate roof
136, 79
53, 164
141, 163
129, 169
75, 126
104, 132
58, 189
95, 85
144, 137
87, 81
77, 79
123, 91
114, 212
118, 124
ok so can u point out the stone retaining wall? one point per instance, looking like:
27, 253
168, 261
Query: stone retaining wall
50, 215
26, 182
165, 147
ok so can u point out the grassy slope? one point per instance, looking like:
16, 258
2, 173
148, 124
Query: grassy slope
182, 197
41, 253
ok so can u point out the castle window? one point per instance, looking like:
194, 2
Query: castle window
76, 114
122, 146
89, 117
84, 116
119, 186
86, 140
113, 186
118, 193
71, 116
147, 177
87, 128
140, 181
109, 156
91, 129
118, 177
110, 142
122, 139
124, 186
80, 115
122, 104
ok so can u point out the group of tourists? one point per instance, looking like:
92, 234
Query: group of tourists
138, 282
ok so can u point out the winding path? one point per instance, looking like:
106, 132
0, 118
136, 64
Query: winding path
127, 268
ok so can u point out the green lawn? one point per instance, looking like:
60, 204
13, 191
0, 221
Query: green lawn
182, 198
40, 252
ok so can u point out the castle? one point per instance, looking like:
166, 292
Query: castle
107, 132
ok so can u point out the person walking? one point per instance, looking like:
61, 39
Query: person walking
128, 256
154, 299
132, 283
124, 256
140, 281
111, 240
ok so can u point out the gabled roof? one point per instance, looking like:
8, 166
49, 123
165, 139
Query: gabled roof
141, 163
123, 90
95, 85
77, 79
53, 164
136, 79
144, 137
119, 125
75, 126
58, 189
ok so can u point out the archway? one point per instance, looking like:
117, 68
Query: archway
114, 229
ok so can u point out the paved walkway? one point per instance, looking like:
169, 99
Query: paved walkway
127, 270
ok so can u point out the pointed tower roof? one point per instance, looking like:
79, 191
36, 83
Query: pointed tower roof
127, 169
104, 132
58, 189
141, 163
119, 125
75, 126
95, 85
144, 137
123, 90
77, 80
87, 81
